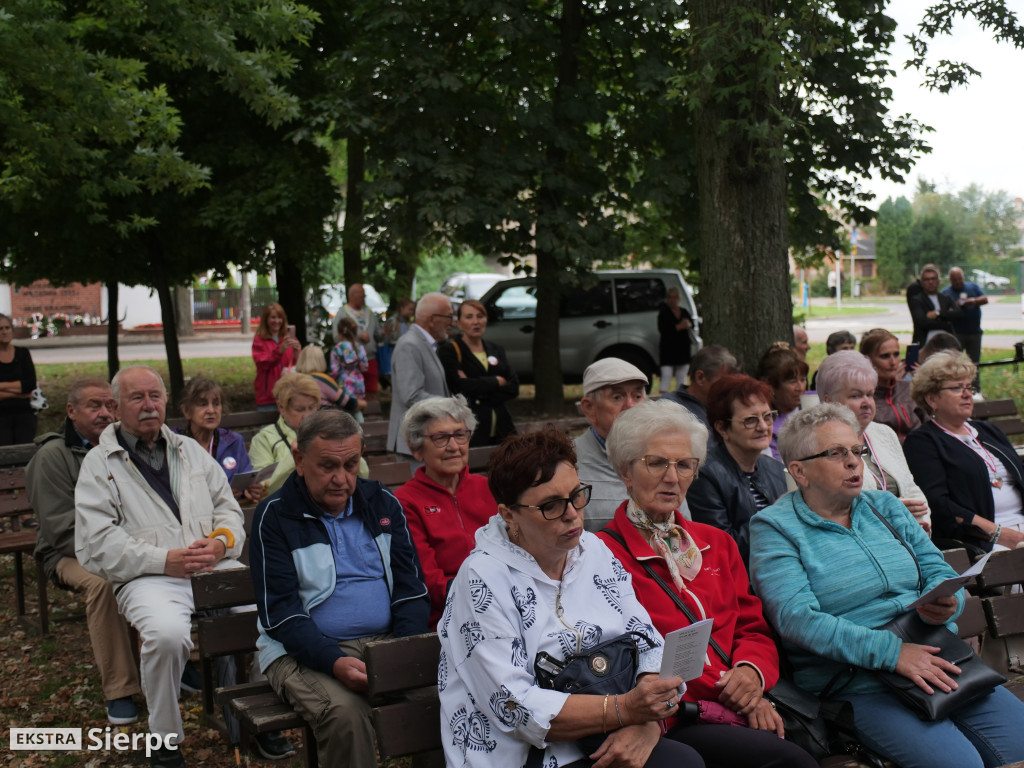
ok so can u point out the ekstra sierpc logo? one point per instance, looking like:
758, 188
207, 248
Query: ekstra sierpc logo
70, 739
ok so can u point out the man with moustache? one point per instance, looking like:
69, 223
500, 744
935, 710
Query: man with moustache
50, 483
153, 508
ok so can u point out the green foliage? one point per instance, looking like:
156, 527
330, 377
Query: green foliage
931, 241
892, 243
434, 270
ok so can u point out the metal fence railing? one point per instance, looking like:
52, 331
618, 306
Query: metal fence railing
226, 303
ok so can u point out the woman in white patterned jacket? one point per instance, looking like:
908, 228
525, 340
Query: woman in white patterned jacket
537, 582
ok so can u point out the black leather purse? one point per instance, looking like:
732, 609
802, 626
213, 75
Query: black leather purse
976, 678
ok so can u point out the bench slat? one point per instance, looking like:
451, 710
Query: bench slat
1003, 568
972, 621
266, 712
227, 634
988, 409
407, 727
222, 589
1005, 614
392, 474
403, 663
18, 541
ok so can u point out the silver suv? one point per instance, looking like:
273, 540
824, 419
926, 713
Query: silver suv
616, 318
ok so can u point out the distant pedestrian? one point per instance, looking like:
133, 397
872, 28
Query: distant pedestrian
931, 310
967, 329
17, 380
273, 350
348, 361
674, 325
369, 333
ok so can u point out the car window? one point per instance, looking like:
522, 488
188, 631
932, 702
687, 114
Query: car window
595, 301
638, 294
517, 302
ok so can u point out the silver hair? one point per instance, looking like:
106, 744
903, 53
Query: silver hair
798, 436
328, 424
710, 360
115, 383
843, 369
420, 416
633, 429
428, 305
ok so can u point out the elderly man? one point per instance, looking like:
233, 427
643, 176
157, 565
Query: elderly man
801, 344
153, 508
334, 568
369, 332
416, 371
970, 298
610, 386
931, 310
709, 365
50, 482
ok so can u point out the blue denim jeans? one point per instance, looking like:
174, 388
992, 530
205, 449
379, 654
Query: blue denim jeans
984, 734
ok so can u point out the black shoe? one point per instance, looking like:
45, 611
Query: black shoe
190, 679
165, 757
273, 746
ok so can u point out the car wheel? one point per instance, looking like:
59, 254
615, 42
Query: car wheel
634, 356
991, 286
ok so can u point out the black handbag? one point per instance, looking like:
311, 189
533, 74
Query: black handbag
976, 678
606, 668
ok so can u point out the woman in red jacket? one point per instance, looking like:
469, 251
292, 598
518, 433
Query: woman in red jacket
444, 504
684, 572
273, 350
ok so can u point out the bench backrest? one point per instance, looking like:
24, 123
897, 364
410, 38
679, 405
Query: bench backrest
13, 499
392, 474
401, 666
1005, 613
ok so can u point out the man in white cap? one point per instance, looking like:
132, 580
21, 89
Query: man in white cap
610, 386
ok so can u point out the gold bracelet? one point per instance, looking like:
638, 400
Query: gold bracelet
604, 714
617, 715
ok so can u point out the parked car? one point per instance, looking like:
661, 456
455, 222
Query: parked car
990, 281
460, 286
616, 318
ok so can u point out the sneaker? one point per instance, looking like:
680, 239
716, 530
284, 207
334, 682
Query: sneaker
273, 746
122, 711
190, 679
165, 757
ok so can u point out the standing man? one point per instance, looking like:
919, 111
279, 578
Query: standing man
970, 298
709, 365
334, 568
369, 333
931, 310
50, 480
153, 508
416, 371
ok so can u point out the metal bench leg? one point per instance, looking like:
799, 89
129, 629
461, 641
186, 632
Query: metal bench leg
19, 584
44, 605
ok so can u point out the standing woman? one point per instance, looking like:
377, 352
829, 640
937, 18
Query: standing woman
17, 380
674, 324
273, 350
894, 406
479, 370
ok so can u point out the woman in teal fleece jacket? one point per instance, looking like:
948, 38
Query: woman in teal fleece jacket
829, 572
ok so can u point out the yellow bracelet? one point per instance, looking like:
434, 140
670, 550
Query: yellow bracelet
226, 534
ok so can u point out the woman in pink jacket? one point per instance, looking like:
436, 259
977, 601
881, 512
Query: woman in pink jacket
273, 350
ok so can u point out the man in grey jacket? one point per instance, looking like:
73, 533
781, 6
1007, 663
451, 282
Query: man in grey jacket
50, 483
153, 508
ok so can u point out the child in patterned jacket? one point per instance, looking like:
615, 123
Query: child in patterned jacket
348, 361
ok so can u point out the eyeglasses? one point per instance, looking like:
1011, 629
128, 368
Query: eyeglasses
449, 317
555, 508
839, 453
461, 437
751, 422
658, 466
960, 389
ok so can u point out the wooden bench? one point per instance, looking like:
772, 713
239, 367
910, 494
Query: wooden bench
1002, 413
16, 541
1005, 613
245, 423
971, 623
220, 633
392, 473
402, 679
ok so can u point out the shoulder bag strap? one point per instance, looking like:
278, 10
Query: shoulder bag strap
894, 532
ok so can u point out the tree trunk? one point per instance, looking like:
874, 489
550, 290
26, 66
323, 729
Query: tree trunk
175, 372
246, 301
183, 310
744, 238
113, 362
351, 236
290, 292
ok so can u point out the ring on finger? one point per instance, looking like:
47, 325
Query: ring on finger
669, 704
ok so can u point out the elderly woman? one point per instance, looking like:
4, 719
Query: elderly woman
538, 583
894, 406
969, 471
479, 369
784, 371
656, 448
738, 480
849, 379
830, 572
444, 504
297, 396
203, 406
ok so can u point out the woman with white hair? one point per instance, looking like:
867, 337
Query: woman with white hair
833, 564
683, 572
848, 378
444, 504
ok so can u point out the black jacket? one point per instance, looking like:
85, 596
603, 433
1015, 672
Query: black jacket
481, 388
690, 403
955, 479
720, 496
920, 305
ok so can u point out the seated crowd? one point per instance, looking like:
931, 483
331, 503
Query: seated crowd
660, 514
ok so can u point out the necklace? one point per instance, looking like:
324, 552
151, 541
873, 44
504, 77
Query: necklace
972, 442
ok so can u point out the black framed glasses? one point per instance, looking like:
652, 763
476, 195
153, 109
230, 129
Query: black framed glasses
839, 453
461, 437
751, 422
959, 389
555, 508
449, 317
658, 466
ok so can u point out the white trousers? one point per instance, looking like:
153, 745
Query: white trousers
667, 371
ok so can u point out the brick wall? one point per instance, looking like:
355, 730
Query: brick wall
41, 296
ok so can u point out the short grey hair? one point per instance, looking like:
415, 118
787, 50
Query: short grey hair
799, 434
843, 369
115, 383
423, 413
328, 424
633, 429
429, 304
710, 360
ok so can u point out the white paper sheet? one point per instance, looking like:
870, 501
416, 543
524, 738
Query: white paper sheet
243, 480
686, 651
950, 586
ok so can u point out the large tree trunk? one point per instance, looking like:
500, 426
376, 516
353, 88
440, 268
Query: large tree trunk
175, 372
744, 239
290, 292
113, 362
351, 236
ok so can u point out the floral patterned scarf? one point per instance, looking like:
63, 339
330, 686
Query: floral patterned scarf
671, 542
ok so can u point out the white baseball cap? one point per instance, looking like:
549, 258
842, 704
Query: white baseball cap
610, 370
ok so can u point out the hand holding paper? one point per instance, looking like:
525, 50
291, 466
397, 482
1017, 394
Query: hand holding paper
686, 651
